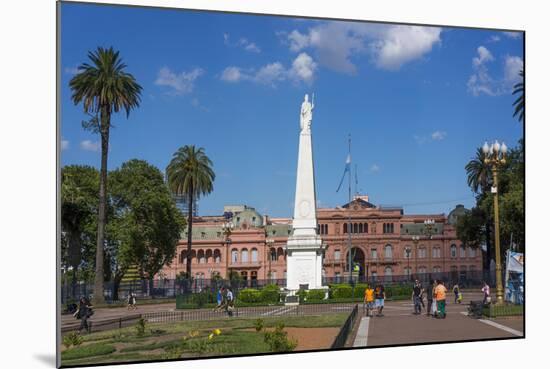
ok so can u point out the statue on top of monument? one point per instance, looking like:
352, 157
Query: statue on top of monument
306, 114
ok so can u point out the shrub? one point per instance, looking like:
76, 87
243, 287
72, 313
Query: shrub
339, 291
72, 339
202, 298
278, 340
250, 295
140, 327
316, 295
270, 294
259, 324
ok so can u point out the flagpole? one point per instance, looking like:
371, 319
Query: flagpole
349, 212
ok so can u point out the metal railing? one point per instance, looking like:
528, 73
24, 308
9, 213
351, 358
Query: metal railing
341, 338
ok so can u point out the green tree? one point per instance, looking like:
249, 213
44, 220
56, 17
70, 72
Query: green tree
190, 173
79, 200
519, 104
147, 224
103, 87
480, 180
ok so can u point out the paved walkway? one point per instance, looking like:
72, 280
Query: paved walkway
399, 326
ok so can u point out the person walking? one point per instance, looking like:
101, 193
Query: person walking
486, 293
380, 296
416, 296
230, 302
132, 301
456, 291
219, 300
83, 313
440, 292
430, 297
369, 300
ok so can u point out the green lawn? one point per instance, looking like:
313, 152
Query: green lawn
186, 339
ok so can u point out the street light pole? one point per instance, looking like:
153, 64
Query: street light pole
495, 156
415, 240
227, 229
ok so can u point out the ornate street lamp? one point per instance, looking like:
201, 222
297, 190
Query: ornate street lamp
429, 225
227, 229
495, 155
269, 242
415, 240
408, 252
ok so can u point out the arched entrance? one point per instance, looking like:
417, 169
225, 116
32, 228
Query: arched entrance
358, 258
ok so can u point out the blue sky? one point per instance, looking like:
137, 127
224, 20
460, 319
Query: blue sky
417, 101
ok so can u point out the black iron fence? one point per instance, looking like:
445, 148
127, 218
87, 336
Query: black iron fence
340, 340
170, 288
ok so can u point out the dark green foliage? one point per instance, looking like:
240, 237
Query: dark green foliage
250, 295
278, 340
519, 104
72, 339
270, 294
140, 327
338, 291
259, 324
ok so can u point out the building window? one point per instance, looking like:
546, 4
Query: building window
408, 271
387, 228
373, 254
273, 255
374, 275
422, 270
244, 256
366, 228
422, 252
360, 227
437, 269
471, 252
254, 255
436, 252
273, 275
337, 277
234, 256
388, 274
322, 228
355, 228
462, 251
345, 228
388, 251
453, 250
336, 254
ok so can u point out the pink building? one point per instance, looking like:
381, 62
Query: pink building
385, 243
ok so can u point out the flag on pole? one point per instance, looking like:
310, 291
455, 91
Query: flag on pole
346, 169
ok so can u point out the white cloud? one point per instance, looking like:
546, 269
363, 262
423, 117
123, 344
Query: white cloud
72, 70
494, 38
390, 46
302, 70
181, 83
439, 135
512, 66
243, 43
403, 44
64, 145
90, 145
231, 74
482, 82
514, 35
484, 55
374, 168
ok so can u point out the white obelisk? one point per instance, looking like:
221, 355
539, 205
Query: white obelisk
304, 246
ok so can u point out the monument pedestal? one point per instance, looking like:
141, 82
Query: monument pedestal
304, 262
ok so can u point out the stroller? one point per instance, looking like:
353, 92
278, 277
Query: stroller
475, 309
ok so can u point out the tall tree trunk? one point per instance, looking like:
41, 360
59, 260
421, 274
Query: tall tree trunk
189, 231
102, 212
488, 243
116, 285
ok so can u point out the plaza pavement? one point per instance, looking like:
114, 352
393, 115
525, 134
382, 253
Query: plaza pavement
399, 326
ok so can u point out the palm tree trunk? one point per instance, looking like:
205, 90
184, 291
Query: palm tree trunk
101, 217
189, 231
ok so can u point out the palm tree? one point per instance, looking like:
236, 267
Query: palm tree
519, 104
479, 173
479, 180
104, 88
190, 173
